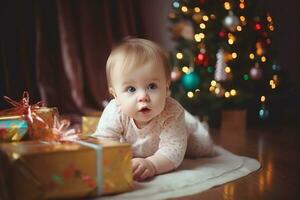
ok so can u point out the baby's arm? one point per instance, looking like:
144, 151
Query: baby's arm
161, 163
109, 126
171, 151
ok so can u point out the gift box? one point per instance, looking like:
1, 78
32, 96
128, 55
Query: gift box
40, 119
41, 126
89, 124
12, 128
44, 170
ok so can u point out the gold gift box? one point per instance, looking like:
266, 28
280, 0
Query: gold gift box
89, 124
37, 130
43, 170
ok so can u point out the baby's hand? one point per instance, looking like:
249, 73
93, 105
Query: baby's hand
142, 169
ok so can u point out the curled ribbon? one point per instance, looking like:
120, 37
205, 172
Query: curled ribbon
63, 133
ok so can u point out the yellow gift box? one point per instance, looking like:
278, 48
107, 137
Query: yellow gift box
44, 170
89, 124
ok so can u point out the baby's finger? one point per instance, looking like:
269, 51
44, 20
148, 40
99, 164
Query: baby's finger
140, 169
145, 174
135, 166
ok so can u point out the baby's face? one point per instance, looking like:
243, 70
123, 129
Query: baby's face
140, 92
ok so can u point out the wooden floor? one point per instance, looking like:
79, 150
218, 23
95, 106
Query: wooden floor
279, 177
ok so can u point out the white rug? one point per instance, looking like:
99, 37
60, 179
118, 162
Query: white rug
192, 177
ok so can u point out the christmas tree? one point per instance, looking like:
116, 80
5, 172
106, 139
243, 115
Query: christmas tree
223, 55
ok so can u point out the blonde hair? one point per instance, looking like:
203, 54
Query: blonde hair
135, 52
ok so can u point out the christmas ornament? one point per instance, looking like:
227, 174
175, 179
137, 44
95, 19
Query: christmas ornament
276, 67
231, 21
201, 59
175, 74
257, 26
263, 113
222, 34
197, 18
176, 4
190, 81
255, 72
220, 74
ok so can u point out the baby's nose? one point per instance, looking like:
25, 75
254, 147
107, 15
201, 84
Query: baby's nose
143, 97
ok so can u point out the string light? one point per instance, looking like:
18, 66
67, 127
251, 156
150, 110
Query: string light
246, 77
243, 20
272, 84
197, 38
257, 26
227, 5
210, 69
205, 18
179, 55
239, 28
190, 94
197, 10
263, 59
251, 56
234, 55
184, 9
202, 26
231, 38
227, 69
213, 83
262, 99
233, 92
242, 5
227, 94
202, 35
185, 69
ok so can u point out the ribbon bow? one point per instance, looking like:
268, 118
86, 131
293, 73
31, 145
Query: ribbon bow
24, 108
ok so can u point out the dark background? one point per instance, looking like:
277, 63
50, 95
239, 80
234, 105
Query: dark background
57, 50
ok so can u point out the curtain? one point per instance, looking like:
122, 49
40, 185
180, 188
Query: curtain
57, 50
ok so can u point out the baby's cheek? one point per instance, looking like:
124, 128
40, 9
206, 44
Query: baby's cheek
128, 109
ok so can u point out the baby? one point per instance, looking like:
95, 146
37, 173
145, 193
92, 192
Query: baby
142, 113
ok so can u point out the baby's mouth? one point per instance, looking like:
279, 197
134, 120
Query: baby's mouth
145, 110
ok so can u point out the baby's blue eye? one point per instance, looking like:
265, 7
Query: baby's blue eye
152, 86
130, 89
